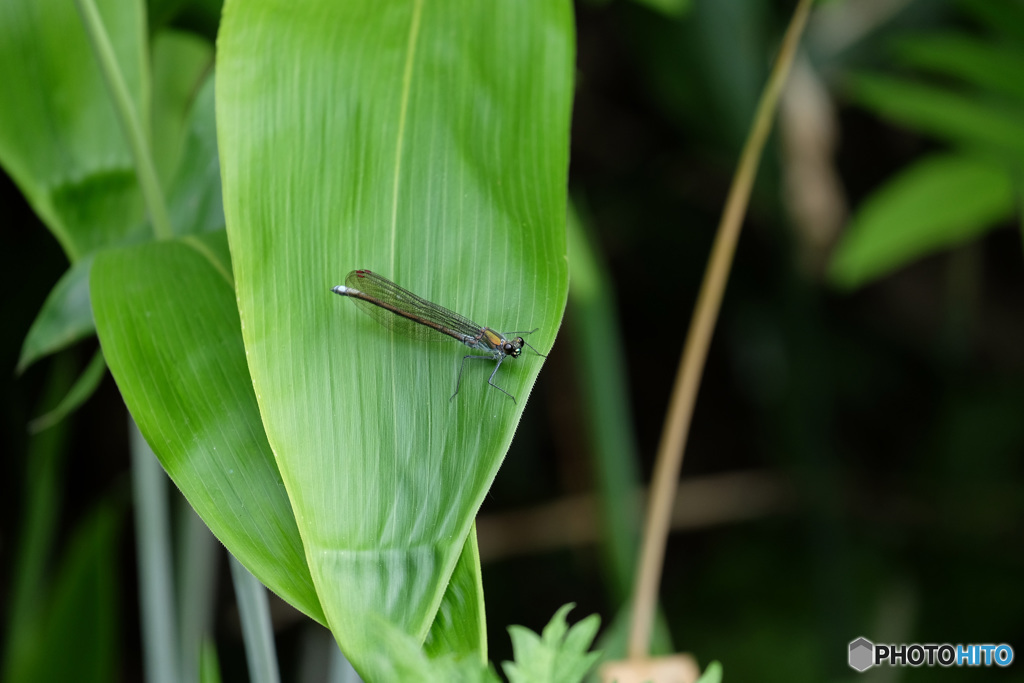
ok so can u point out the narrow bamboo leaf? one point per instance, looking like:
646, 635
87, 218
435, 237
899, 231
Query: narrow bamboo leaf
167, 321
80, 620
65, 318
961, 119
427, 141
605, 401
980, 62
460, 627
84, 621
194, 199
32, 543
60, 139
181, 64
939, 202
79, 393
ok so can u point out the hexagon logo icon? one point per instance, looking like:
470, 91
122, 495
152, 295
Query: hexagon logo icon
862, 654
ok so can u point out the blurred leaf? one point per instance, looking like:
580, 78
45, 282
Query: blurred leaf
670, 8
428, 142
60, 139
194, 199
977, 61
167, 321
459, 627
939, 202
180, 64
1003, 18
161, 12
79, 393
400, 658
605, 398
65, 318
712, 674
209, 666
710, 67
32, 551
961, 119
77, 638
201, 17
558, 656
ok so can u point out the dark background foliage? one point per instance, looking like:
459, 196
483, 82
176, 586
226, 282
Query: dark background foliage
893, 414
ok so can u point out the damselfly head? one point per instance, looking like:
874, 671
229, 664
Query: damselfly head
513, 348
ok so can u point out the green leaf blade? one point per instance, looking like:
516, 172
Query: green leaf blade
939, 202
428, 142
460, 627
65, 318
959, 118
168, 325
983, 63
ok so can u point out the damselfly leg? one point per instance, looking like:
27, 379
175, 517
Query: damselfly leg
490, 381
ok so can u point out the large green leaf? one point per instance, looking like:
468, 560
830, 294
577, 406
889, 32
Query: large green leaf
166, 313
939, 202
60, 139
167, 320
427, 141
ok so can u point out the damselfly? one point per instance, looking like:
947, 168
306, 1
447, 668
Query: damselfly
401, 310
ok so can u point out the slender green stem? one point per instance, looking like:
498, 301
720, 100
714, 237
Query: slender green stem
198, 553
209, 666
156, 582
254, 610
145, 169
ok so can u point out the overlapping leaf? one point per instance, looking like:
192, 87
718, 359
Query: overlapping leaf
167, 320
60, 138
